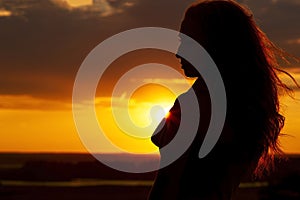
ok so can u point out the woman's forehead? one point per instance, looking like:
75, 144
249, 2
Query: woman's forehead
186, 26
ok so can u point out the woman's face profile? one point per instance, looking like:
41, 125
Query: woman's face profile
188, 69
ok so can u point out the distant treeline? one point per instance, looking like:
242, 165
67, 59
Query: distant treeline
66, 167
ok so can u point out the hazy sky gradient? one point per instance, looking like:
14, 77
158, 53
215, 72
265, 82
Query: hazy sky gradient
43, 43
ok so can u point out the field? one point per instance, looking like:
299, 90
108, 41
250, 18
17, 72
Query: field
80, 176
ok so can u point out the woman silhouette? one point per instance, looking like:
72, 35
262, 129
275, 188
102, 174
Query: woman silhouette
246, 59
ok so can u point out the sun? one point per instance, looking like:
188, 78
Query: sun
136, 118
150, 104
157, 113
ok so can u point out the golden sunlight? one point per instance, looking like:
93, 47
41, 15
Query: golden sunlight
30, 124
150, 103
29, 130
130, 123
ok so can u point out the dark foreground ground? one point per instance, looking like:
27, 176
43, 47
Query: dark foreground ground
80, 176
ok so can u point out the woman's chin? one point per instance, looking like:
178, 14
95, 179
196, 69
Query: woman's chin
189, 75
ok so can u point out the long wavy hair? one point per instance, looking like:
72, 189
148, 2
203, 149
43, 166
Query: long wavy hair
249, 64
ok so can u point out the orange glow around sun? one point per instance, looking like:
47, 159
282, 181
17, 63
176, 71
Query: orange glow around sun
145, 108
32, 125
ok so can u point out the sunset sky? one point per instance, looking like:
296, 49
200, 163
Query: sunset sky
44, 42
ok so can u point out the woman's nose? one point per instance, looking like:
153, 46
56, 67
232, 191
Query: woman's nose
178, 56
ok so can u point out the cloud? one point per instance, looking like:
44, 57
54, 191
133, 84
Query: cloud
73, 3
295, 2
161, 81
126, 103
42, 49
129, 4
120, 102
280, 20
44, 42
5, 13
294, 41
101, 8
25, 102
